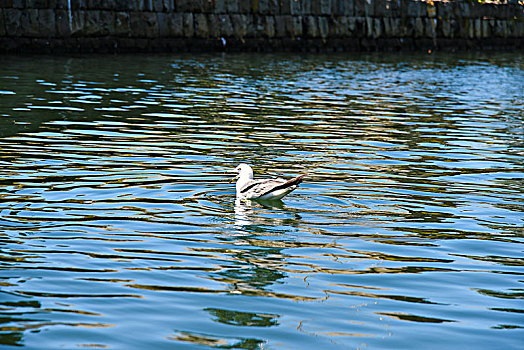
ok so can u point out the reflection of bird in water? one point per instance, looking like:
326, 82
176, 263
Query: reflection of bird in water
246, 211
265, 189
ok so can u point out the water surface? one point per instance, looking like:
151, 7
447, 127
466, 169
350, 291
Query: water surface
119, 229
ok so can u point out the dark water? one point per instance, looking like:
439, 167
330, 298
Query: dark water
118, 228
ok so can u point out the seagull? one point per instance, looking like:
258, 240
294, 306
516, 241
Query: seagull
265, 189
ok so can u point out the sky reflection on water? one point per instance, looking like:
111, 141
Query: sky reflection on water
118, 228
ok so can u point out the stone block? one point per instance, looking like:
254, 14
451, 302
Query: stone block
395, 26
147, 5
305, 7
394, 8
369, 27
163, 24
122, 24
295, 7
321, 7
201, 27
469, 26
158, 5
416, 9
486, 30
342, 26
186, 5
91, 4
120, 5
268, 7
444, 9
280, 26
64, 5
62, 21
225, 26
418, 27
46, 22
377, 28
78, 22
36, 4
285, 7
311, 25
107, 21
232, 6
364, 8
79, 4
388, 27
444, 28
478, 28
239, 23
408, 28
349, 8
18, 4
352, 25
258, 26
462, 9
175, 23
12, 19
29, 23
337, 7
249, 25
219, 6
189, 26
295, 26
136, 24
2, 23
474, 9
360, 27
92, 25
500, 28
105, 5
6, 4
168, 5
380, 8
244, 6
269, 26
323, 27
212, 24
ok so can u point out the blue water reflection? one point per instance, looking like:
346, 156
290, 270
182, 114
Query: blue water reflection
118, 228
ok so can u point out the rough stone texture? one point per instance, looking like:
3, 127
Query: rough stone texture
122, 27
188, 22
225, 25
2, 23
201, 27
257, 25
213, 26
29, 23
46, 22
269, 26
62, 23
163, 24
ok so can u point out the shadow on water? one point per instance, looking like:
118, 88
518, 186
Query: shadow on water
118, 228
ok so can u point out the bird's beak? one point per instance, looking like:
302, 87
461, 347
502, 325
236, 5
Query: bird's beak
233, 179
229, 172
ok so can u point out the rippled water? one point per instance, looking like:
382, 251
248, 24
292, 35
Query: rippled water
119, 229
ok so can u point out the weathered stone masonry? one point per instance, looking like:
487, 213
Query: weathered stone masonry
257, 25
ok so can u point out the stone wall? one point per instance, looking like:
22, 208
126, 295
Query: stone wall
62, 26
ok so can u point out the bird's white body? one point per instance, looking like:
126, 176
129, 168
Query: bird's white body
265, 189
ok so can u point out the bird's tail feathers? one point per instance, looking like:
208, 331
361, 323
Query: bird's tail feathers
295, 181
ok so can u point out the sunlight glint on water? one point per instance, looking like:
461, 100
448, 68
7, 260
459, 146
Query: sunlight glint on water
118, 228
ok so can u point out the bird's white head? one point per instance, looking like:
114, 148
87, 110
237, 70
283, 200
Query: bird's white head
244, 171
244, 175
